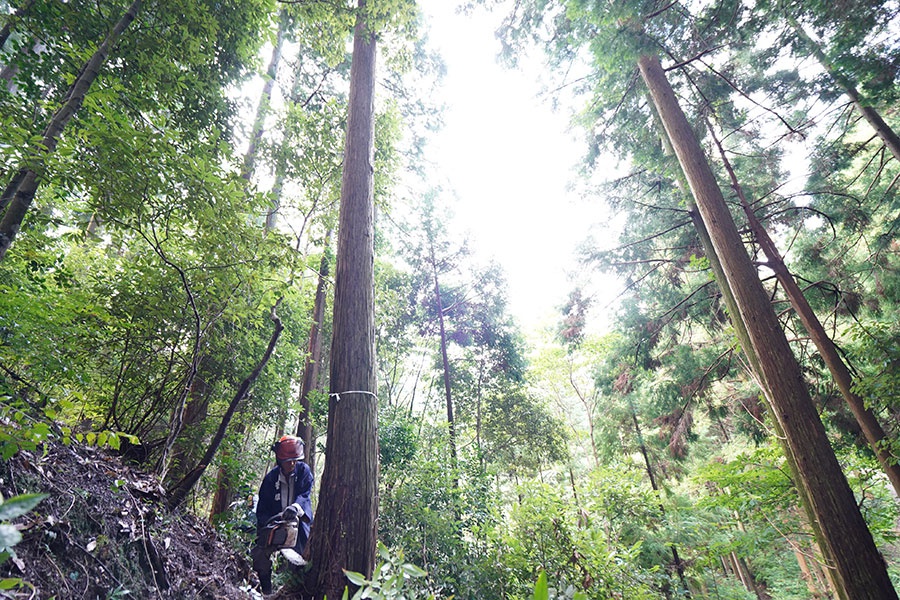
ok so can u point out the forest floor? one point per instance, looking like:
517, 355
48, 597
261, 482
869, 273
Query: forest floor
104, 532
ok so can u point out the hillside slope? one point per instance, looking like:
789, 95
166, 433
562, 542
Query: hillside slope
104, 532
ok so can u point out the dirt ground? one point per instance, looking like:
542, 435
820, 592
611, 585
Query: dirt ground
103, 532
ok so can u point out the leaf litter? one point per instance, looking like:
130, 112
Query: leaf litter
104, 532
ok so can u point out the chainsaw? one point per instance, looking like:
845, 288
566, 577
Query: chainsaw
281, 536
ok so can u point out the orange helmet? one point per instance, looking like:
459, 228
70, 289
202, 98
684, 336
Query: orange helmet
289, 447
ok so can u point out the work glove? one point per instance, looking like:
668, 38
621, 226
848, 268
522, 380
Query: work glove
290, 513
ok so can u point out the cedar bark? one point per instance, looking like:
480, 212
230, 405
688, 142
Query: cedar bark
21, 190
859, 569
344, 531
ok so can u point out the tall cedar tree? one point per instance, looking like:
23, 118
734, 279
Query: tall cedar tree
344, 533
860, 570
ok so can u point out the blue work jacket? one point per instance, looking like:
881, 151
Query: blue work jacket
270, 502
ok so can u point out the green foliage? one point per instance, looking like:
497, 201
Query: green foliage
397, 441
582, 548
876, 346
395, 328
752, 483
21, 431
520, 433
420, 509
393, 579
10, 509
29, 425
749, 505
541, 592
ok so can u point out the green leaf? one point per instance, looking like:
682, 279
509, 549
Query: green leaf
383, 552
10, 583
113, 440
414, 570
9, 536
541, 591
356, 578
19, 505
8, 450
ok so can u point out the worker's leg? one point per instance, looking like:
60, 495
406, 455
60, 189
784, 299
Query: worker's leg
262, 564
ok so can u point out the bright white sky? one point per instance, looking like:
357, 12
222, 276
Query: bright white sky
508, 157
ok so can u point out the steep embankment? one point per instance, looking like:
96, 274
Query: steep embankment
104, 532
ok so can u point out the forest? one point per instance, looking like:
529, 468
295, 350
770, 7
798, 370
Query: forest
220, 223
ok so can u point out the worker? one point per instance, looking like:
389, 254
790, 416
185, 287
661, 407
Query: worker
283, 496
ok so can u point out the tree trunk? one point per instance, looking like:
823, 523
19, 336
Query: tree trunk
727, 567
589, 404
741, 331
868, 423
756, 587
806, 574
859, 568
314, 357
344, 531
224, 482
738, 571
177, 420
183, 452
11, 20
265, 101
178, 492
884, 131
23, 186
448, 396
